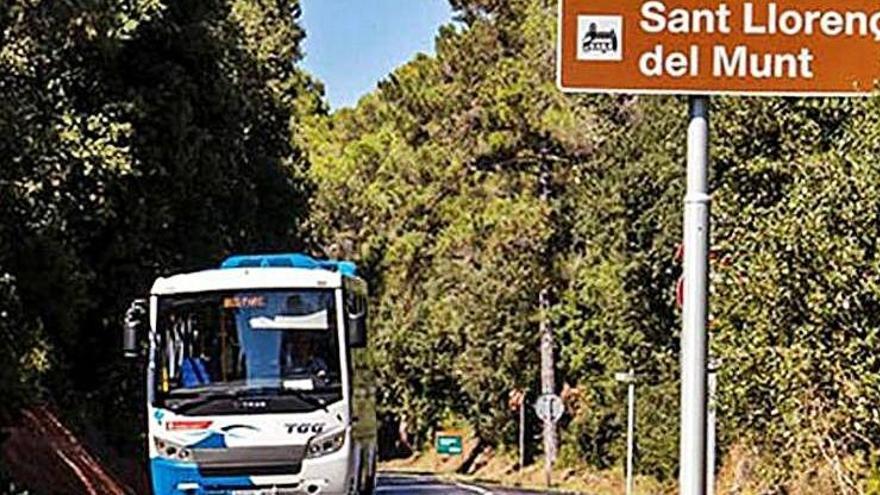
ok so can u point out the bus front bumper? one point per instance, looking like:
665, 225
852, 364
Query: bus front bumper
328, 475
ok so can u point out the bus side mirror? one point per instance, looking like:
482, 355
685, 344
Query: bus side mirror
357, 331
356, 320
134, 327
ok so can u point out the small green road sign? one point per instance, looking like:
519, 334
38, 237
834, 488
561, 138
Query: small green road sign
449, 444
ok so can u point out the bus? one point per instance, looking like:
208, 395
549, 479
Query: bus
259, 379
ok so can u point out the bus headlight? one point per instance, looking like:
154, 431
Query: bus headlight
325, 443
171, 450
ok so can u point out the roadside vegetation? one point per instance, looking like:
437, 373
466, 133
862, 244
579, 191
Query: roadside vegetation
144, 137
137, 138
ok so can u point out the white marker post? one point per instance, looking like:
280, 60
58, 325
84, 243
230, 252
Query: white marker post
694, 337
631, 433
630, 380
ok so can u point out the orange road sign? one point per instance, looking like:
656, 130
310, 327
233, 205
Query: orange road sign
784, 47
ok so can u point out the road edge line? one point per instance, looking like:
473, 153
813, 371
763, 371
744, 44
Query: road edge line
473, 488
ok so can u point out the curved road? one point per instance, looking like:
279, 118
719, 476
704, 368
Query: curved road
393, 484
418, 485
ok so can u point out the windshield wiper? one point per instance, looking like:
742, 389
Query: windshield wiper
202, 397
198, 391
186, 399
299, 394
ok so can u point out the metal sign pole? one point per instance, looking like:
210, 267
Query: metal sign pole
547, 388
692, 454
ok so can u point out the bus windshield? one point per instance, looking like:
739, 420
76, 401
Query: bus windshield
216, 351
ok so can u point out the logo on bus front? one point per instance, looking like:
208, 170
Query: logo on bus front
303, 428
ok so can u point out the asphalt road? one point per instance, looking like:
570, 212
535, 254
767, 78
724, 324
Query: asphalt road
421, 485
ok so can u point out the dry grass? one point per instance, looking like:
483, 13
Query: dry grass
740, 476
500, 468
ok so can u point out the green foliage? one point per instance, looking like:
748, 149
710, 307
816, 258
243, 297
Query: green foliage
144, 137
872, 485
137, 138
796, 297
432, 180
23, 348
438, 174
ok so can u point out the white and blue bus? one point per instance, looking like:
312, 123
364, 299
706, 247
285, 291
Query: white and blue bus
259, 380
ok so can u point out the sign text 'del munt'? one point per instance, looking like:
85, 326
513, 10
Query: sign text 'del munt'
788, 47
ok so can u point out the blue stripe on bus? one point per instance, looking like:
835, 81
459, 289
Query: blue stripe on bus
168, 475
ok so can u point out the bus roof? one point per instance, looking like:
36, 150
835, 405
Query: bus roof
243, 279
289, 260
260, 271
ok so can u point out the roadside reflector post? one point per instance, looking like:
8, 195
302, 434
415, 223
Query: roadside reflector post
630, 380
517, 404
522, 433
694, 338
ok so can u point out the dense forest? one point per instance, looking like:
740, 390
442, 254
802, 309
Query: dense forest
145, 137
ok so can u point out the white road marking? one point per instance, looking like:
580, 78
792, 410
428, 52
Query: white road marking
476, 489
410, 488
